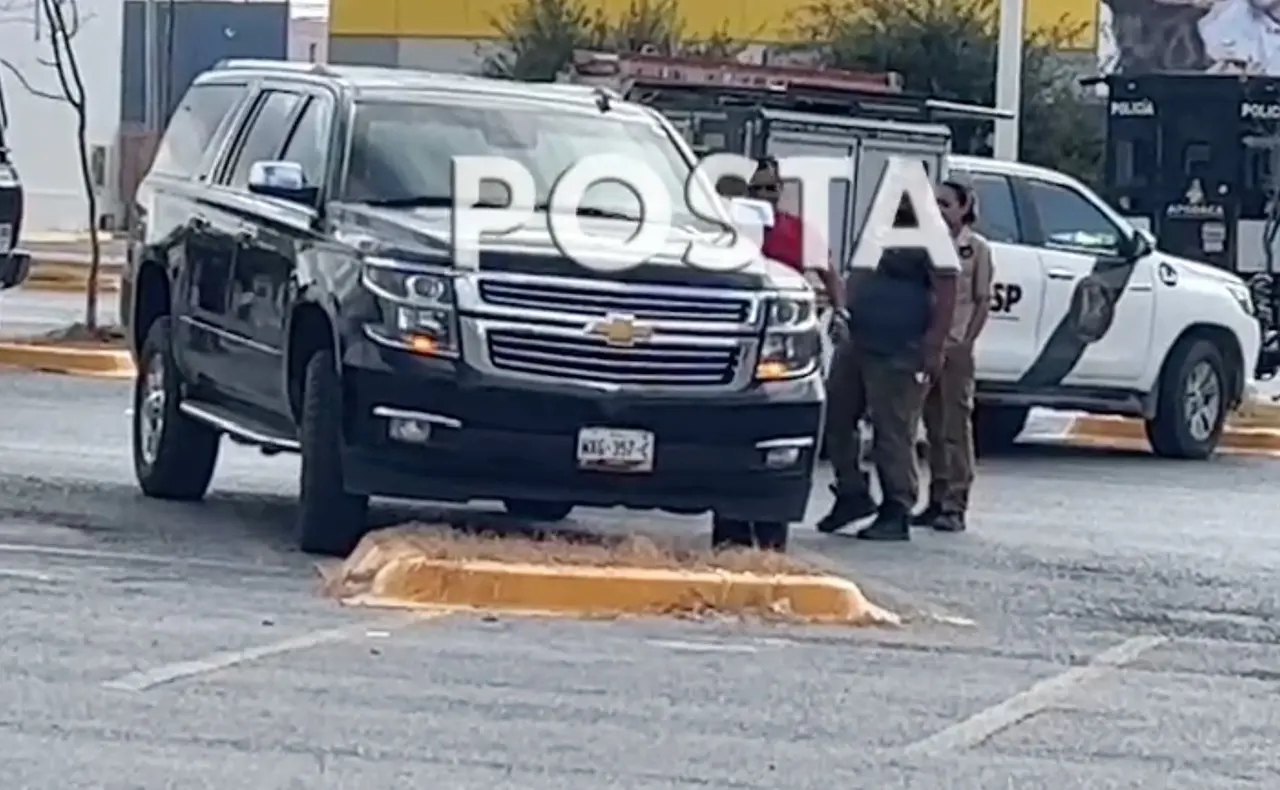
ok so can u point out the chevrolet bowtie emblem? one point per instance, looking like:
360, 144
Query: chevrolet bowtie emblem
620, 330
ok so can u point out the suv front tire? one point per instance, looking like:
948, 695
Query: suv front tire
331, 521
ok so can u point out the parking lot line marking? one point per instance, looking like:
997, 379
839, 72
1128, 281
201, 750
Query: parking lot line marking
154, 559
147, 679
983, 725
702, 647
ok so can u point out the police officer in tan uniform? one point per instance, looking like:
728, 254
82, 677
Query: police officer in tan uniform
948, 408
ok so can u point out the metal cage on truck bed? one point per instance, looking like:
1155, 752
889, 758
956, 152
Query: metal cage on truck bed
756, 110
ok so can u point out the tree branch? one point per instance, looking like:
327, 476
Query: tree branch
26, 84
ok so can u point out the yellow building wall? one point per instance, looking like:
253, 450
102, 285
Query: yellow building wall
756, 20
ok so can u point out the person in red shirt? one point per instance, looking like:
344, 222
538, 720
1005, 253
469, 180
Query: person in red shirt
787, 240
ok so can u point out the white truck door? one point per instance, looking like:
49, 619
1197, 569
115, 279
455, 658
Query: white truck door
1011, 338
1099, 308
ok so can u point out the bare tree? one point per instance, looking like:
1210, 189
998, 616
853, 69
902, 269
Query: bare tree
58, 22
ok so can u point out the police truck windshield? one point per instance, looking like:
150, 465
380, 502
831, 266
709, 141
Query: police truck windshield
402, 153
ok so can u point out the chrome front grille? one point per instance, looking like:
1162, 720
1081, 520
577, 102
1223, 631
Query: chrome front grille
712, 362
641, 302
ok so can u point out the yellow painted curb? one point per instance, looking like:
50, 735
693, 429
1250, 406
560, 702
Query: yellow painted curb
61, 277
1235, 437
387, 572
105, 285
70, 360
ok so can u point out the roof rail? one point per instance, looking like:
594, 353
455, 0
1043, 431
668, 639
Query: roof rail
299, 67
624, 71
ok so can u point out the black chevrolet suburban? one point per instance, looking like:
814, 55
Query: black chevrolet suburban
293, 286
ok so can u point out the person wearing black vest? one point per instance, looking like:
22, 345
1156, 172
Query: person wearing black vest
898, 317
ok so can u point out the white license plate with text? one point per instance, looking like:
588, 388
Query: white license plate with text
615, 450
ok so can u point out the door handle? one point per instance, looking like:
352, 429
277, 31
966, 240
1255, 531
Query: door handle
1061, 274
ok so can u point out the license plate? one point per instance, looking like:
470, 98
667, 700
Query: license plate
6, 236
615, 450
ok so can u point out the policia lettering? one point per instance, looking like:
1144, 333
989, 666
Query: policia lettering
1092, 312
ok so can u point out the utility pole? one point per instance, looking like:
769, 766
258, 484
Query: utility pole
1009, 78
150, 68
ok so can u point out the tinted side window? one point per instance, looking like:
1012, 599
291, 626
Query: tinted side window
1071, 222
997, 216
265, 136
193, 126
308, 144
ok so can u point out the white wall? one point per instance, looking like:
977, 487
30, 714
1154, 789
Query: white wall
309, 39
42, 131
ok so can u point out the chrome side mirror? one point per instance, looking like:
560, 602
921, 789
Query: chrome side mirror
283, 180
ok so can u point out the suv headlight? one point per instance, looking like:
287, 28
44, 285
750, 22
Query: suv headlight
419, 310
1242, 296
792, 344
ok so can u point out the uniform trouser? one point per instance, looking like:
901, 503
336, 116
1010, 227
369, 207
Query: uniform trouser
887, 390
948, 424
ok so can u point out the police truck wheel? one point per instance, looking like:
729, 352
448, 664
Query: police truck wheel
173, 455
535, 510
996, 428
729, 533
1191, 406
331, 521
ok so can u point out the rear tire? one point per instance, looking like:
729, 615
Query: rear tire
173, 455
537, 510
1191, 403
996, 428
729, 533
331, 521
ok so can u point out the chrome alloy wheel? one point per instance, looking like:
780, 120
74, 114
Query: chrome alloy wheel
151, 410
1202, 401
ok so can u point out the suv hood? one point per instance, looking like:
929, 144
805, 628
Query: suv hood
1202, 270
530, 248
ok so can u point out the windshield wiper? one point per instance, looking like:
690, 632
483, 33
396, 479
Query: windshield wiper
427, 201
595, 212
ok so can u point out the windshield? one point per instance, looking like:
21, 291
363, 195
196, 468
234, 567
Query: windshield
402, 153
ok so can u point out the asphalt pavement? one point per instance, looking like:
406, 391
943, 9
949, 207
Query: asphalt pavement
28, 313
1124, 635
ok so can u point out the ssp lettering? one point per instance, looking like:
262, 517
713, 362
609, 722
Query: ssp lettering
1004, 296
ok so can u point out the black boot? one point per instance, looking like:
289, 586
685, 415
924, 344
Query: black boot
926, 517
893, 523
949, 521
847, 509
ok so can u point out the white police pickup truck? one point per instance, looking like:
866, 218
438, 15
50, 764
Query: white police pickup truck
1088, 315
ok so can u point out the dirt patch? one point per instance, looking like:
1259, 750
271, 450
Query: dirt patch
442, 543
80, 336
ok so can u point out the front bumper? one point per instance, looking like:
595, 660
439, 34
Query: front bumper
15, 266
498, 438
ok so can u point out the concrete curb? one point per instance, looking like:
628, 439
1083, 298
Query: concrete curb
377, 574
68, 360
1236, 437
